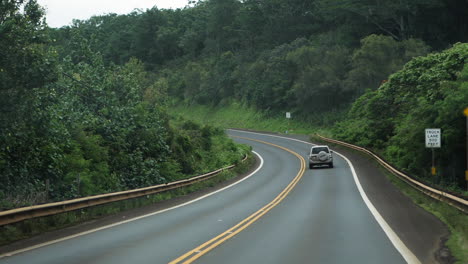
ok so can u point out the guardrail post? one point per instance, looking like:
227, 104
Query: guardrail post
433, 169
466, 171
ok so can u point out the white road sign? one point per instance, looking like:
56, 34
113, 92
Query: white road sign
288, 115
433, 136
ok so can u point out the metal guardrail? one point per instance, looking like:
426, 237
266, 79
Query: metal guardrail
455, 201
24, 213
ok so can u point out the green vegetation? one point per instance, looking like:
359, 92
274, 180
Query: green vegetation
318, 59
428, 92
452, 217
72, 125
278, 55
235, 115
84, 106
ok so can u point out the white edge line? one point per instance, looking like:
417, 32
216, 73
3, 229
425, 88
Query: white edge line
9, 254
392, 236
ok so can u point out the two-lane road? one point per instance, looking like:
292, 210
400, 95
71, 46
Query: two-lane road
312, 216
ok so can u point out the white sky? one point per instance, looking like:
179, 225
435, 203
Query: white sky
61, 12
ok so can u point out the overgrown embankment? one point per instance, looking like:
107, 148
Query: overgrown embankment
72, 125
429, 92
237, 115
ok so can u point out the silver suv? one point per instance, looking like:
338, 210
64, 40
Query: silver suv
320, 155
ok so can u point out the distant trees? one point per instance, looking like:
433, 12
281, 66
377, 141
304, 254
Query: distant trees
215, 26
302, 76
218, 50
377, 58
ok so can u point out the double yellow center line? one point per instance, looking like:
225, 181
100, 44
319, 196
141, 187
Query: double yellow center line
201, 250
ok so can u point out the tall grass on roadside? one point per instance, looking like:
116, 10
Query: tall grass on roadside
455, 220
236, 115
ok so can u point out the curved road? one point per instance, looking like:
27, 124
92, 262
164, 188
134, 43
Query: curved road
323, 219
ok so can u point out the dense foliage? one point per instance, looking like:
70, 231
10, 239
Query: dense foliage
83, 106
248, 28
429, 92
298, 56
313, 58
76, 126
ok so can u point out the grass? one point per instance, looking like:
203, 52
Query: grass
32, 227
455, 220
235, 115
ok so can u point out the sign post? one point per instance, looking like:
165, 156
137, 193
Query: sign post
288, 116
433, 136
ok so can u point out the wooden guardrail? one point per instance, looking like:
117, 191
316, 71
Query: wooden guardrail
455, 201
24, 213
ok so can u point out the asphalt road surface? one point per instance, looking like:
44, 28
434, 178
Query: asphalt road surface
308, 216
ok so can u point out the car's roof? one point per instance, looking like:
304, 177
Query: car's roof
320, 146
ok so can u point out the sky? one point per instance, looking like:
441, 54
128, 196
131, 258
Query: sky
61, 12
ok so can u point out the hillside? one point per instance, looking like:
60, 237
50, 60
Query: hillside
91, 87
317, 59
76, 126
429, 92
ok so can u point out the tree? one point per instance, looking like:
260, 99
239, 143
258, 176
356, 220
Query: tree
430, 91
398, 19
377, 58
27, 68
319, 86
25, 60
222, 30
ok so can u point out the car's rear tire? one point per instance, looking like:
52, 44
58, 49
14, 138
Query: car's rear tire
330, 165
311, 166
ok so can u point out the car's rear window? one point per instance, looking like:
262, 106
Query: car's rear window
317, 150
